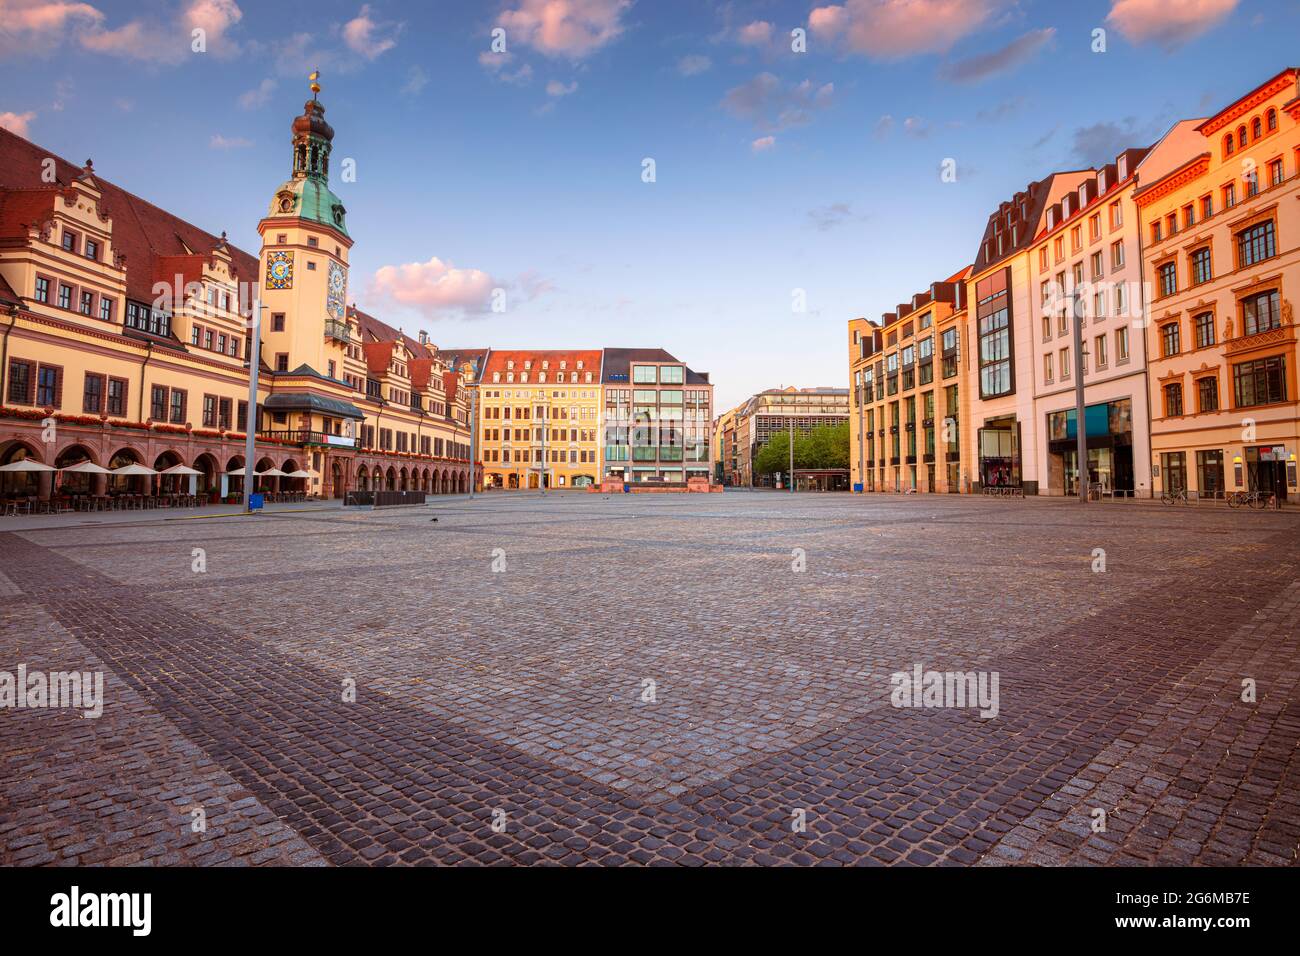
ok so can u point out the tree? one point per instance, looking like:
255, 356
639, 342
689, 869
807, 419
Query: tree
824, 447
774, 456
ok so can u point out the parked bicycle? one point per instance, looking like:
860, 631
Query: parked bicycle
1175, 497
1258, 500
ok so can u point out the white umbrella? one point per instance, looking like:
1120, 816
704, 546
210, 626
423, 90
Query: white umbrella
180, 470
235, 471
25, 465
86, 468
272, 473
300, 474
131, 471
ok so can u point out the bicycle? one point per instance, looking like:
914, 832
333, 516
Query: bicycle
1173, 497
1252, 499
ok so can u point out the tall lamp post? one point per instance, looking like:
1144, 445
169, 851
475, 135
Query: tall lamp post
1080, 411
250, 429
792, 454
473, 439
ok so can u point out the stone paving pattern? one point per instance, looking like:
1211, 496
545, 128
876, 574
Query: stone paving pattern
518, 695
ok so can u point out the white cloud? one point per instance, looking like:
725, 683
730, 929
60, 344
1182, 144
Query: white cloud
498, 65
416, 80
170, 42
434, 288
556, 88
1168, 23
564, 28
368, 37
763, 144
17, 122
232, 142
772, 105
259, 96
758, 33
693, 64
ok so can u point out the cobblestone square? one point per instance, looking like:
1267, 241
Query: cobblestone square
656, 679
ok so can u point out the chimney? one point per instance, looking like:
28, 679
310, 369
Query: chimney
424, 337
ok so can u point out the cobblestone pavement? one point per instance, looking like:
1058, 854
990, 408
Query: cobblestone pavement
650, 680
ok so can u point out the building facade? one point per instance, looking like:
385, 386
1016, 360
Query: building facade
1220, 219
1090, 249
127, 339
908, 373
539, 414
658, 418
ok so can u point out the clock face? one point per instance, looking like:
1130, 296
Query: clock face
279, 270
337, 292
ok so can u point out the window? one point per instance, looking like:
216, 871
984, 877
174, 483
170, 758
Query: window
20, 382
1201, 267
91, 250
158, 403
1189, 215
106, 309
1173, 399
117, 397
1121, 299
1204, 329
1260, 313
645, 374
1042, 259
195, 332
1064, 362
1228, 145
1047, 367
87, 303
1116, 215
277, 321
42, 289
1156, 232
69, 241
1169, 339
65, 296
1117, 254
1256, 244
1207, 394
1099, 352
49, 386
1167, 278
209, 411
668, 375
1275, 172
1271, 119
1261, 382
92, 397
1207, 206
1229, 195
207, 339
1121, 345
282, 361
1096, 265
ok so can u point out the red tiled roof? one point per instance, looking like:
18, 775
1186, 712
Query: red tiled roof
499, 360
21, 209
141, 231
373, 330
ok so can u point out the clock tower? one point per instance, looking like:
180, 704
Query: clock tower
304, 259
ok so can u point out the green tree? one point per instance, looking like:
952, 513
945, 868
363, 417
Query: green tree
824, 447
775, 455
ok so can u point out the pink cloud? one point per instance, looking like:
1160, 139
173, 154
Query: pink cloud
160, 41
435, 287
758, 33
1168, 23
567, 28
364, 35
16, 123
892, 29
763, 144
38, 26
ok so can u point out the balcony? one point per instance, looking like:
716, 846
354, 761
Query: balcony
337, 330
305, 437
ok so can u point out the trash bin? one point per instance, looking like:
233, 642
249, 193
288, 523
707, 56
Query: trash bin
255, 502
857, 487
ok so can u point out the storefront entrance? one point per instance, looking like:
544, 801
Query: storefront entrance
1266, 470
999, 446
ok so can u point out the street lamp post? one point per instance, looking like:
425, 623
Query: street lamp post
792, 454
250, 426
1080, 411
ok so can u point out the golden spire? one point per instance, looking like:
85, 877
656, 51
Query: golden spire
315, 83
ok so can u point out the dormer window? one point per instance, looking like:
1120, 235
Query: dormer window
1123, 167
510, 364
496, 378
1083, 195
541, 377
1051, 218
579, 364
528, 365
1101, 181
562, 366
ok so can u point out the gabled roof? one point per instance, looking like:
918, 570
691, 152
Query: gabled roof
373, 330
500, 360
141, 231
458, 358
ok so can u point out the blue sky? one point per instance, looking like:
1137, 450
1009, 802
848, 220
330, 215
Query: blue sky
775, 170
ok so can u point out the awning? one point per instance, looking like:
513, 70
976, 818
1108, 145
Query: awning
130, 471
271, 473
85, 468
180, 470
25, 464
301, 474
306, 402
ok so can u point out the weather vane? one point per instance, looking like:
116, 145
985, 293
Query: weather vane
315, 83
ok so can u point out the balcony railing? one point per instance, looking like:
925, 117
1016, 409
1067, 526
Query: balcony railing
335, 329
306, 437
